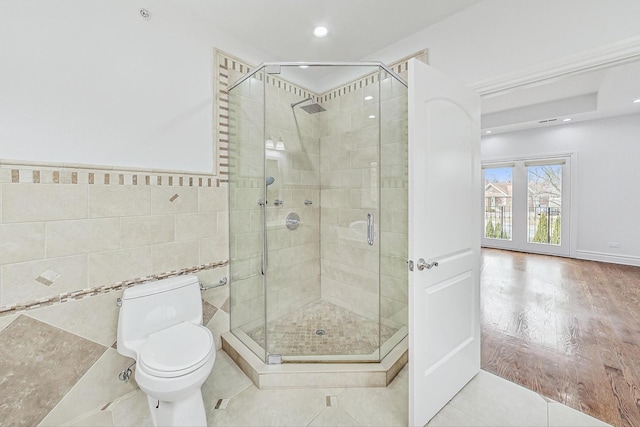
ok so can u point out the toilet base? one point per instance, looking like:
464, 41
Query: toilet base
183, 413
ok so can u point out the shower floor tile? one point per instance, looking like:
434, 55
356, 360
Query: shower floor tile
296, 333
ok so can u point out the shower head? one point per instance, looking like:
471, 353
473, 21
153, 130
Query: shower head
269, 180
311, 108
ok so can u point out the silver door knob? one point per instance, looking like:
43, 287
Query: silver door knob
422, 264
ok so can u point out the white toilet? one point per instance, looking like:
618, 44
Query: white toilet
160, 326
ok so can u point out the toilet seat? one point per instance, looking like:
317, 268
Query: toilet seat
176, 351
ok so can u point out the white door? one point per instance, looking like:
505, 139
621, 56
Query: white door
444, 231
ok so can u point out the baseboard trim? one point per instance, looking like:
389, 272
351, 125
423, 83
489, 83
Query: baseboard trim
611, 258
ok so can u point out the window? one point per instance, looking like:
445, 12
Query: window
497, 195
526, 205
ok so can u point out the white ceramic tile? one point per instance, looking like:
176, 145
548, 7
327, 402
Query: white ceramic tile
82, 236
212, 199
564, 416
43, 202
216, 296
495, 401
94, 419
226, 381
196, 226
254, 407
98, 387
174, 256
19, 280
114, 266
119, 200
333, 416
147, 230
21, 242
379, 406
174, 199
94, 318
131, 410
449, 416
6, 320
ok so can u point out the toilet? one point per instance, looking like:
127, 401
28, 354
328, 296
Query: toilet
160, 326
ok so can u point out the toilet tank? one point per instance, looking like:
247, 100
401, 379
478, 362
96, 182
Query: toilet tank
154, 306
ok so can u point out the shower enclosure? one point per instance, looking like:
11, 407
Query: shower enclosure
318, 211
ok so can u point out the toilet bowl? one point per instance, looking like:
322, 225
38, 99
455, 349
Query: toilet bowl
160, 325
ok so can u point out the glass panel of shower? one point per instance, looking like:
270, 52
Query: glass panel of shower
318, 212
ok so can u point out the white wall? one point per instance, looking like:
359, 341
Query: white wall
498, 37
91, 82
607, 195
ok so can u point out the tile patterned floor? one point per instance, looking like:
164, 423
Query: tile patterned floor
346, 332
487, 400
39, 364
53, 377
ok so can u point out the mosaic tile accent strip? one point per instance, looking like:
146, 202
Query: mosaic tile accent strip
84, 293
42, 173
39, 364
299, 333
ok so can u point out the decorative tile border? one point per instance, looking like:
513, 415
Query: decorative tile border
45, 173
77, 295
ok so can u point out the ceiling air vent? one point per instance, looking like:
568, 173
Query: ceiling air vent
547, 121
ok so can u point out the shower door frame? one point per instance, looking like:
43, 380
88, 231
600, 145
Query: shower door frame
264, 67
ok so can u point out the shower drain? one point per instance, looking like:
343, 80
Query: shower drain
321, 332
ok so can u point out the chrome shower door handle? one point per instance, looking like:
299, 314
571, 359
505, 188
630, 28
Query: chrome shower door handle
263, 213
370, 229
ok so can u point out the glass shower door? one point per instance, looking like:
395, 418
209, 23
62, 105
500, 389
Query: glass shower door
247, 188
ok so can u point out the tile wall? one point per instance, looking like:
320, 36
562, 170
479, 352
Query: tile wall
68, 232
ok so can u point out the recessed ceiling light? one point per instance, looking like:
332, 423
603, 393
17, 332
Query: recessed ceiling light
320, 32
368, 98
566, 120
372, 116
303, 66
489, 131
636, 101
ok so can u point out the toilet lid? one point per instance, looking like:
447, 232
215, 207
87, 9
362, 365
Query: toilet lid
177, 350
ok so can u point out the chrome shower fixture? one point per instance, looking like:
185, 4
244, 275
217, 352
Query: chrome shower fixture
145, 14
269, 180
311, 108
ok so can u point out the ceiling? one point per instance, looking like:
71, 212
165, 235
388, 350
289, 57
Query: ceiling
579, 97
283, 29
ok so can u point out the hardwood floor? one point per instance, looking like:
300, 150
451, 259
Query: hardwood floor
565, 328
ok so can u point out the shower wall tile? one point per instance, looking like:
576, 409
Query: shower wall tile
43, 202
21, 242
118, 200
146, 230
165, 200
20, 284
82, 236
115, 266
248, 244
